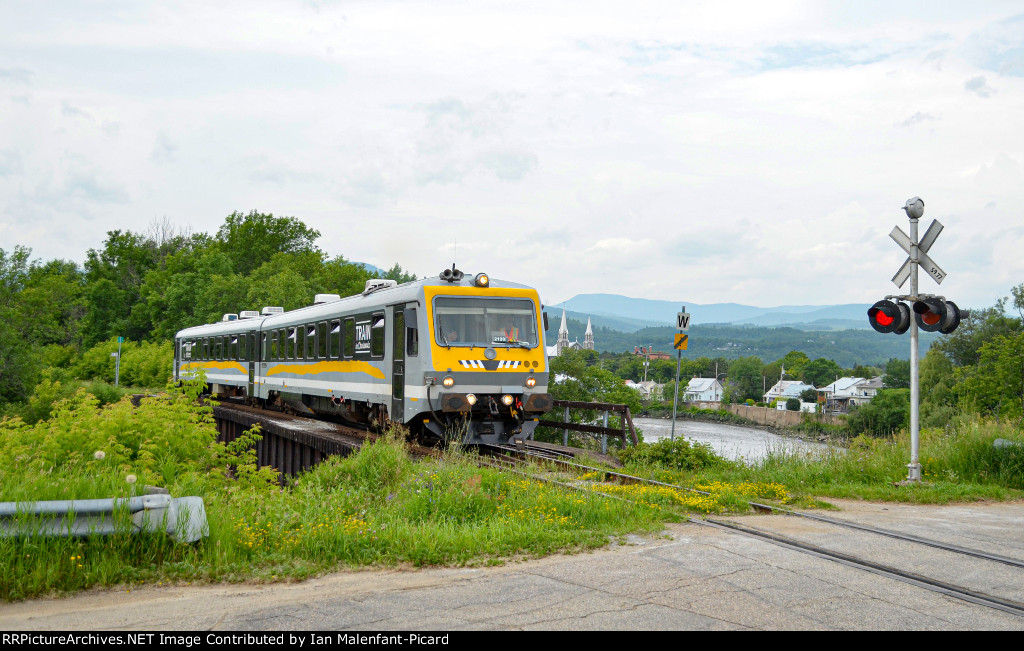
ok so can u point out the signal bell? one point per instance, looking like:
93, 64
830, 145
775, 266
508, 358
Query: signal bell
937, 315
886, 316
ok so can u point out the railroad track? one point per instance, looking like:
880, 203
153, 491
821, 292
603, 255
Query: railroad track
512, 458
938, 585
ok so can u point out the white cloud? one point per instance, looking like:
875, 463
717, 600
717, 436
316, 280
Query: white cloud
747, 152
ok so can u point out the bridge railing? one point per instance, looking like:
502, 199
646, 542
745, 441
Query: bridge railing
626, 432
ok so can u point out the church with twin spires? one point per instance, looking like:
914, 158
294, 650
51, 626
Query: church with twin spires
563, 342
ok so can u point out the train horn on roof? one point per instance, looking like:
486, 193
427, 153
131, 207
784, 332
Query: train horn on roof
452, 275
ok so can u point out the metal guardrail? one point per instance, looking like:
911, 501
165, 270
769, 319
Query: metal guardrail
182, 518
626, 433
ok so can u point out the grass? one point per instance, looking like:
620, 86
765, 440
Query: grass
375, 508
959, 463
379, 508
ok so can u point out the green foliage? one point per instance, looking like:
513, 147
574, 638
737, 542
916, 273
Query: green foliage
250, 239
897, 374
887, 413
793, 404
821, 372
745, 379
678, 454
996, 384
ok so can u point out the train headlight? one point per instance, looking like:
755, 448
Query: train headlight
507, 399
448, 381
531, 382
481, 280
471, 398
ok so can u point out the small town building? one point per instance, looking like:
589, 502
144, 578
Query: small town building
703, 389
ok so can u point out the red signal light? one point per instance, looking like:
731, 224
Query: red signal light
886, 316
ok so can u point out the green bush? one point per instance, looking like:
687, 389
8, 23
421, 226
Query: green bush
678, 454
142, 364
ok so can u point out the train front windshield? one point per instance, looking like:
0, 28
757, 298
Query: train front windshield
485, 322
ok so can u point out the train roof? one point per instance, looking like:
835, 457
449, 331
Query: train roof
366, 301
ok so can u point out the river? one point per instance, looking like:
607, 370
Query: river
731, 441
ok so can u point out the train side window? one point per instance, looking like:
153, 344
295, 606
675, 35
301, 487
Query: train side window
232, 347
377, 335
243, 350
321, 340
265, 342
290, 340
282, 341
335, 345
310, 341
217, 344
350, 337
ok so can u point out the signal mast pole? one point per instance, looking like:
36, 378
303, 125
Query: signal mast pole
914, 468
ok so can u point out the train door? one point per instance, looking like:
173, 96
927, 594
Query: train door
397, 412
252, 353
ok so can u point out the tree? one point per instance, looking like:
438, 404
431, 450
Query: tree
794, 362
745, 379
887, 413
821, 372
897, 374
793, 404
996, 385
963, 346
250, 240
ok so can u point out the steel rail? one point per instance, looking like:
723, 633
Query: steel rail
967, 551
934, 585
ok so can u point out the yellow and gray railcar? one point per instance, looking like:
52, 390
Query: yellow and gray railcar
450, 357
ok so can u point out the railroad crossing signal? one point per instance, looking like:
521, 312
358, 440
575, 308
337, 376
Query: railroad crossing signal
681, 341
931, 313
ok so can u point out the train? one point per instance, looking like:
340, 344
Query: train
454, 357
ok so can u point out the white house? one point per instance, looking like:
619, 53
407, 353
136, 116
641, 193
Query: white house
849, 392
781, 387
703, 389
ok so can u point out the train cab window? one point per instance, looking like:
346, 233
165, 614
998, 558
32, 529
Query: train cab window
350, 337
310, 348
412, 337
377, 335
334, 351
321, 340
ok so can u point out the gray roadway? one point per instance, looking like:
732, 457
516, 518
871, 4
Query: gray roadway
692, 577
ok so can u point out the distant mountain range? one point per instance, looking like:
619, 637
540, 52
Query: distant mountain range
627, 314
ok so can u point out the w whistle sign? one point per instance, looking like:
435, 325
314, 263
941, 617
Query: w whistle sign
682, 320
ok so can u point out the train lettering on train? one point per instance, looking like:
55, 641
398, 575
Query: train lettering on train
452, 357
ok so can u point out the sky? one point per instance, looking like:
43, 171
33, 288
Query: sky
703, 152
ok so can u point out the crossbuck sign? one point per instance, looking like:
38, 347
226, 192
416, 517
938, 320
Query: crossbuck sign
926, 262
